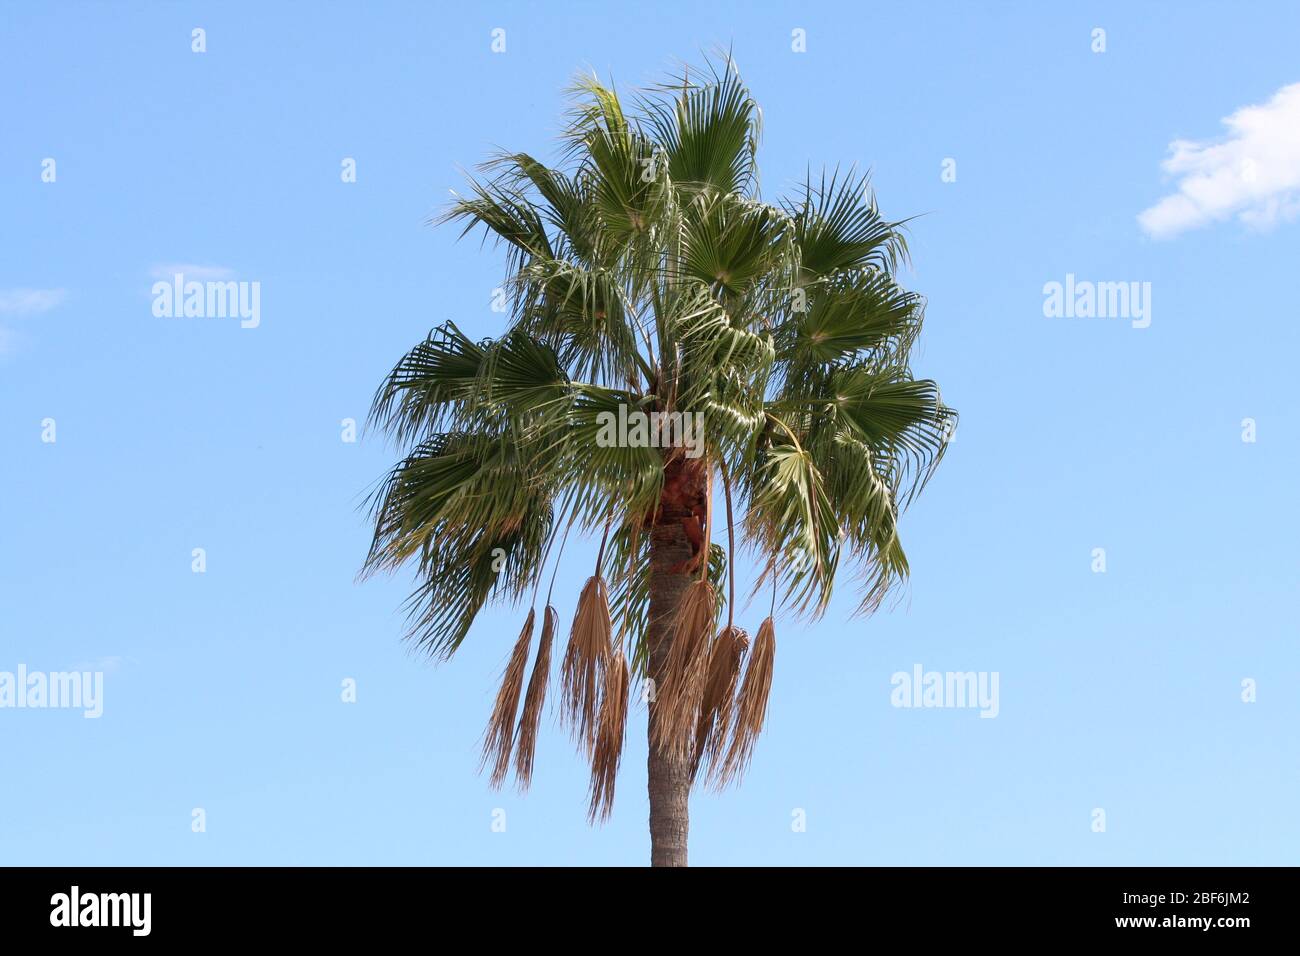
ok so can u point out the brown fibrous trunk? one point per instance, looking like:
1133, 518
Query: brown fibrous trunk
676, 547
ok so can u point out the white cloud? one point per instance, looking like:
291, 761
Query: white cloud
1253, 173
105, 665
29, 301
191, 271
20, 302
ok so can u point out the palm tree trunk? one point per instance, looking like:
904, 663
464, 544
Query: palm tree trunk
669, 776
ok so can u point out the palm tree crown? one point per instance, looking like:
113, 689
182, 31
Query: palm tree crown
645, 274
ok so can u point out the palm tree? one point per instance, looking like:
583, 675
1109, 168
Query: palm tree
646, 277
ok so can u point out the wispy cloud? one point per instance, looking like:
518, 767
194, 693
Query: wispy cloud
23, 302
29, 301
191, 271
106, 665
1253, 173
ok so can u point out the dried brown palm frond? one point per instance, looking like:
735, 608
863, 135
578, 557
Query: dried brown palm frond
608, 751
534, 698
678, 697
717, 704
718, 699
751, 706
586, 659
499, 736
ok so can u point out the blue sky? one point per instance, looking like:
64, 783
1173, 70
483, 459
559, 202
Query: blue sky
1119, 690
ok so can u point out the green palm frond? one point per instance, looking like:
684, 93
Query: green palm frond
505, 214
792, 519
645, 273
901, 419
858, 313
599, 473
584, 312
838, 227
708, 128
427, 385
621, 166
731, 243
468, 509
